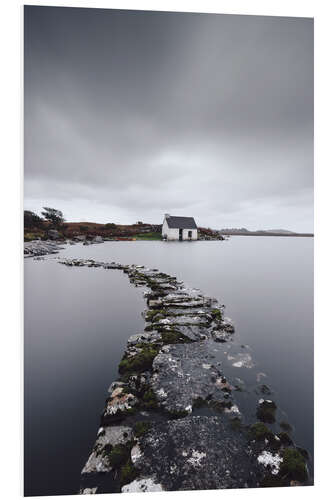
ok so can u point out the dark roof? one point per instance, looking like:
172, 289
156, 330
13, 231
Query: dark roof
181, 222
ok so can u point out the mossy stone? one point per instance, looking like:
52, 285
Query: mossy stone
293, 465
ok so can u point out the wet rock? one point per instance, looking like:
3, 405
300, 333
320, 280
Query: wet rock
38, 248
270, 461
220, 335
88, 491
118, 405
145, 338
197, 453
142, 485
182, 376
107, 438
266, 410
53, 234
98, 239
241, 360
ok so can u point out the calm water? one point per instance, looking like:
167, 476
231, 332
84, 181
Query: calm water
77, 321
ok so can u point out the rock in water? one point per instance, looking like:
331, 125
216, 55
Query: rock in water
197, 453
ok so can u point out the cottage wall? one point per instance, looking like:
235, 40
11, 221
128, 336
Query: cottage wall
194, 234
173, 234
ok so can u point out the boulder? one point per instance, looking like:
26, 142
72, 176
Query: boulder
53, 234
98, 239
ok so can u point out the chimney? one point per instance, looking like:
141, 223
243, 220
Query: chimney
166, 216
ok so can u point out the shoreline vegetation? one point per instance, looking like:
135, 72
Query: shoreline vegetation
53, 227
171, 420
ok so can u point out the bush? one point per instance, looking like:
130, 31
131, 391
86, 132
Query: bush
32, 220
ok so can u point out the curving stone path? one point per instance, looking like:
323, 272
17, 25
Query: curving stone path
170, 421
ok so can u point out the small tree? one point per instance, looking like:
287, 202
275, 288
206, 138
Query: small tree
55, 217
32, 220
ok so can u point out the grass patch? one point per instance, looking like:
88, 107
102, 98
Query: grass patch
148, 236
34, 235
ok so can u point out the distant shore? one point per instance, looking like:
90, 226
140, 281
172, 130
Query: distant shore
264, 233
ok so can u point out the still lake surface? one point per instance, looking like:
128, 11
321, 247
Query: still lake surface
77, 322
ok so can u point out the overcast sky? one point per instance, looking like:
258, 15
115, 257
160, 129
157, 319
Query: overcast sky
131, 114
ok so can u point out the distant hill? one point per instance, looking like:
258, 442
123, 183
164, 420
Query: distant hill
261, 232
280, 231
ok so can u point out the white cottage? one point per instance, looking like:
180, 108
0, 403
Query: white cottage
179, 228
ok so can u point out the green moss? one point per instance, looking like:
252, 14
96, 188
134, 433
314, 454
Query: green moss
128, 473
266, 412
149, 400
178, 413
285, 439
174, 337
119, 454
216, 313
293, 465
141, 362
259, 432
152, 313
141, 428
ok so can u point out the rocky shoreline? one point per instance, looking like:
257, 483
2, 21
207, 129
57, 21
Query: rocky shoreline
39, 248
170, 421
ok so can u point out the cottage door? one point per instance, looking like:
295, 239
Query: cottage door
180, 235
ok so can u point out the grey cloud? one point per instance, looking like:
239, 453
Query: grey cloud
137, 113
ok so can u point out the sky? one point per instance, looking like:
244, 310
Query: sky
132, 114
